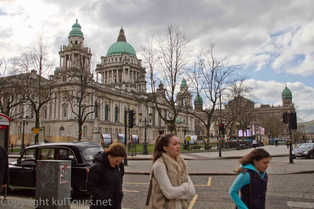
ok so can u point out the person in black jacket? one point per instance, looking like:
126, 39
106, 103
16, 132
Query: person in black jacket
4, 169
104, 181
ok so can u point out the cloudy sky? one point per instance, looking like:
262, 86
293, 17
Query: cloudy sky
272, 40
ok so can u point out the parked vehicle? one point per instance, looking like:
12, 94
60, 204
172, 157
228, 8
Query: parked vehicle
106, 139
120, 138
135, 139
304, 150
22, 174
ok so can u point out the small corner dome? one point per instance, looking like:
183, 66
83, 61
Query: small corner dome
76, 30
179, 121
183, 83
198, 100
286, 93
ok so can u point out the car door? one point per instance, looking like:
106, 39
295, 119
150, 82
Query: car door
23, 173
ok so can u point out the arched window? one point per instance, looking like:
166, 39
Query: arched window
106, 112
116, 114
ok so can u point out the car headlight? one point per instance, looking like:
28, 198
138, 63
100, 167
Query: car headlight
305, 152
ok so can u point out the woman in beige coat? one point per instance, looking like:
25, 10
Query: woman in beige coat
171, 187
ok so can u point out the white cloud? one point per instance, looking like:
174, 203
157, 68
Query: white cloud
256, 33
270, 92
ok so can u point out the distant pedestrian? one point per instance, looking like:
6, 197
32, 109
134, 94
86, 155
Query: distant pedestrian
105, 177
4, 169
276, 142
171, 185
251, 181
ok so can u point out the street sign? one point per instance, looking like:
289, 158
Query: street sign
36, 131
188, 138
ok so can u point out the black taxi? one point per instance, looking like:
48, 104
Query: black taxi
22, 174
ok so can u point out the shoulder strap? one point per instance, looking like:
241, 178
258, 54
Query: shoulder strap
150, 188
250, 188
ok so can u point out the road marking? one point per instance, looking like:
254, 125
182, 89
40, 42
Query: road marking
300, 204
193, 201
209, 181
134, 183
130, 190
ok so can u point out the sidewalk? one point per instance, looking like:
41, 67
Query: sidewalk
199, 163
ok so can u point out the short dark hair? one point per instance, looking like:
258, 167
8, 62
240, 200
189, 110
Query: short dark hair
116, 150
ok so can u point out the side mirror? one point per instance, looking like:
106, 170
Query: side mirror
18, 160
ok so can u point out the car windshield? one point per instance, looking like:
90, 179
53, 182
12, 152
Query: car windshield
89, 153
306, 146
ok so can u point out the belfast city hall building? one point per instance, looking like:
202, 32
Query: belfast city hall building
120, 85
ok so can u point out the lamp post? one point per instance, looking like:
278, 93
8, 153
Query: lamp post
237, 124
145, 151
23, 130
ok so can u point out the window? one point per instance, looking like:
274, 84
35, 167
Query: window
64, 112
116, 114
65, 154
106, 112
45, 113
28, 155
47, 154
64, 78
84, 131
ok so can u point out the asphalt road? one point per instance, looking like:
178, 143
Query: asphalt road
284, 190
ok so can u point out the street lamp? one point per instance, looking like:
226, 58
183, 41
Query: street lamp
145, 151
23, 129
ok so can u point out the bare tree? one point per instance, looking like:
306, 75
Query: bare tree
272, 125
37, 90
171, 49
9, 87
211, 76
240, 108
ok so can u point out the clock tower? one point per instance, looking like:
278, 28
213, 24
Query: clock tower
287, 97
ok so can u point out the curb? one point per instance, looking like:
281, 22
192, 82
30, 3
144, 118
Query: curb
216, 174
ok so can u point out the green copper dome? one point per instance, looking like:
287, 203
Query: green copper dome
76, 30
121, 46
198, 100
286, 93
183, 83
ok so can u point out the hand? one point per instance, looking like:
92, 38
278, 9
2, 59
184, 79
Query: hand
3, 185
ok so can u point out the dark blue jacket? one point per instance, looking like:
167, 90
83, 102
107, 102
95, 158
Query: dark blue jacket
258, 189
243, 182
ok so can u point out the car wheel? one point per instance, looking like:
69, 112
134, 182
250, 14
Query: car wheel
74, 191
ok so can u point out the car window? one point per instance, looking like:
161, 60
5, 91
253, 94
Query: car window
47, 154
28, 155
66, 154
89, 153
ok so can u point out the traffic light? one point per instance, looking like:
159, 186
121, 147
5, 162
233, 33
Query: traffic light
293, 121
131, 119
285, 117
221, 128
